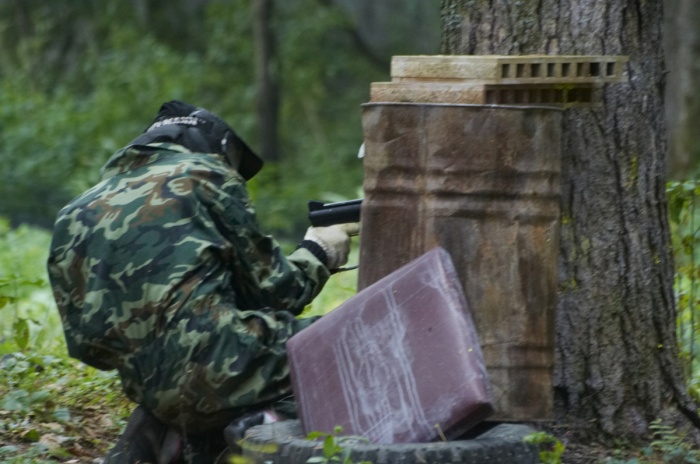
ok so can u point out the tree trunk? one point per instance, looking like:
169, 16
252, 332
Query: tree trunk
617, 366
266, 79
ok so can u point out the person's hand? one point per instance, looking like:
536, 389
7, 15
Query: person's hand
335, 242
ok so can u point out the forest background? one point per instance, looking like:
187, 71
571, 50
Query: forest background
79, 79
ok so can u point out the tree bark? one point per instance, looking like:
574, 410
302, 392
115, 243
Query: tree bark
266, 78
617, 366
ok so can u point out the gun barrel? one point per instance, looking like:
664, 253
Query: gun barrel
328, 214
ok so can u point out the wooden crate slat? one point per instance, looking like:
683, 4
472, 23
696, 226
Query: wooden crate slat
523, 69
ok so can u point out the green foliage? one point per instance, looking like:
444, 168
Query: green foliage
45, 399
82, 79
684, 214
55, 142
333, 450
668, 444
47, 403
320, 115
550, 448
25, 396
29, 321
666, 447
339, 289
259, 450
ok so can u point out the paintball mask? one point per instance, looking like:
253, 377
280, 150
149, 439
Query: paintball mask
201, 131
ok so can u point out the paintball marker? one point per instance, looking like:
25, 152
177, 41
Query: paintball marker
328, 214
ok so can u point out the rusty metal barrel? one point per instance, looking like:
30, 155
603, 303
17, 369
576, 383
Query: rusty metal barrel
483, 182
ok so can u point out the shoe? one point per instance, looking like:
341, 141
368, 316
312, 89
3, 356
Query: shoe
145, 440
207, 448
235, 431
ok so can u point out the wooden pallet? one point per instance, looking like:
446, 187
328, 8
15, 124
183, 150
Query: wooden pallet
482, 94
500, 80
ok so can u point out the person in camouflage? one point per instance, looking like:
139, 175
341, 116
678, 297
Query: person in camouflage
161, 271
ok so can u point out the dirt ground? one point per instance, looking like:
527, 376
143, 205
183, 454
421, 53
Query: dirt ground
88, 443
92, 448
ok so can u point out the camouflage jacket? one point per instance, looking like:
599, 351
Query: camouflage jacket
165, 234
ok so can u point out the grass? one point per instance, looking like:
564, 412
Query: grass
54, 408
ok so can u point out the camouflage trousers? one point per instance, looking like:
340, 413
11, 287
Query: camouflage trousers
212, 367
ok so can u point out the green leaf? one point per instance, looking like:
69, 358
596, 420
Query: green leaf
8, 449
16, 400
62, 414
32, 435
39, 396
688, 245
21, 333
329, 448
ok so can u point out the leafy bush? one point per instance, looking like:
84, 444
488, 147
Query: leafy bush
666, 447
29, 320
550, 448
684, 213
50, 406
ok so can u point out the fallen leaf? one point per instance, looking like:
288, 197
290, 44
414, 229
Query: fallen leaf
105, 421
51, 440
53, 426
76, 450
32, 435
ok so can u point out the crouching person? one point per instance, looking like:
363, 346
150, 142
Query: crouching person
161, 272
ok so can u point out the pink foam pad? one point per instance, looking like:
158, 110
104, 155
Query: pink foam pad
399, 362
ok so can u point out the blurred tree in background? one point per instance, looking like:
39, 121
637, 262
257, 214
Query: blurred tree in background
80, 79
682, 22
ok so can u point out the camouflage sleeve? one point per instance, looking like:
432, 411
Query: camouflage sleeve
263, 276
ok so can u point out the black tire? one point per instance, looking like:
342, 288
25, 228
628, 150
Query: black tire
284, 443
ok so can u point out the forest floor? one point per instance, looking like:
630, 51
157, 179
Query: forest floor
587, 454
89, 445
87, 438
58, 410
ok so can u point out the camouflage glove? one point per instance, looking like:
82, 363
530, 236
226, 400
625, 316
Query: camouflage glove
335, 242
